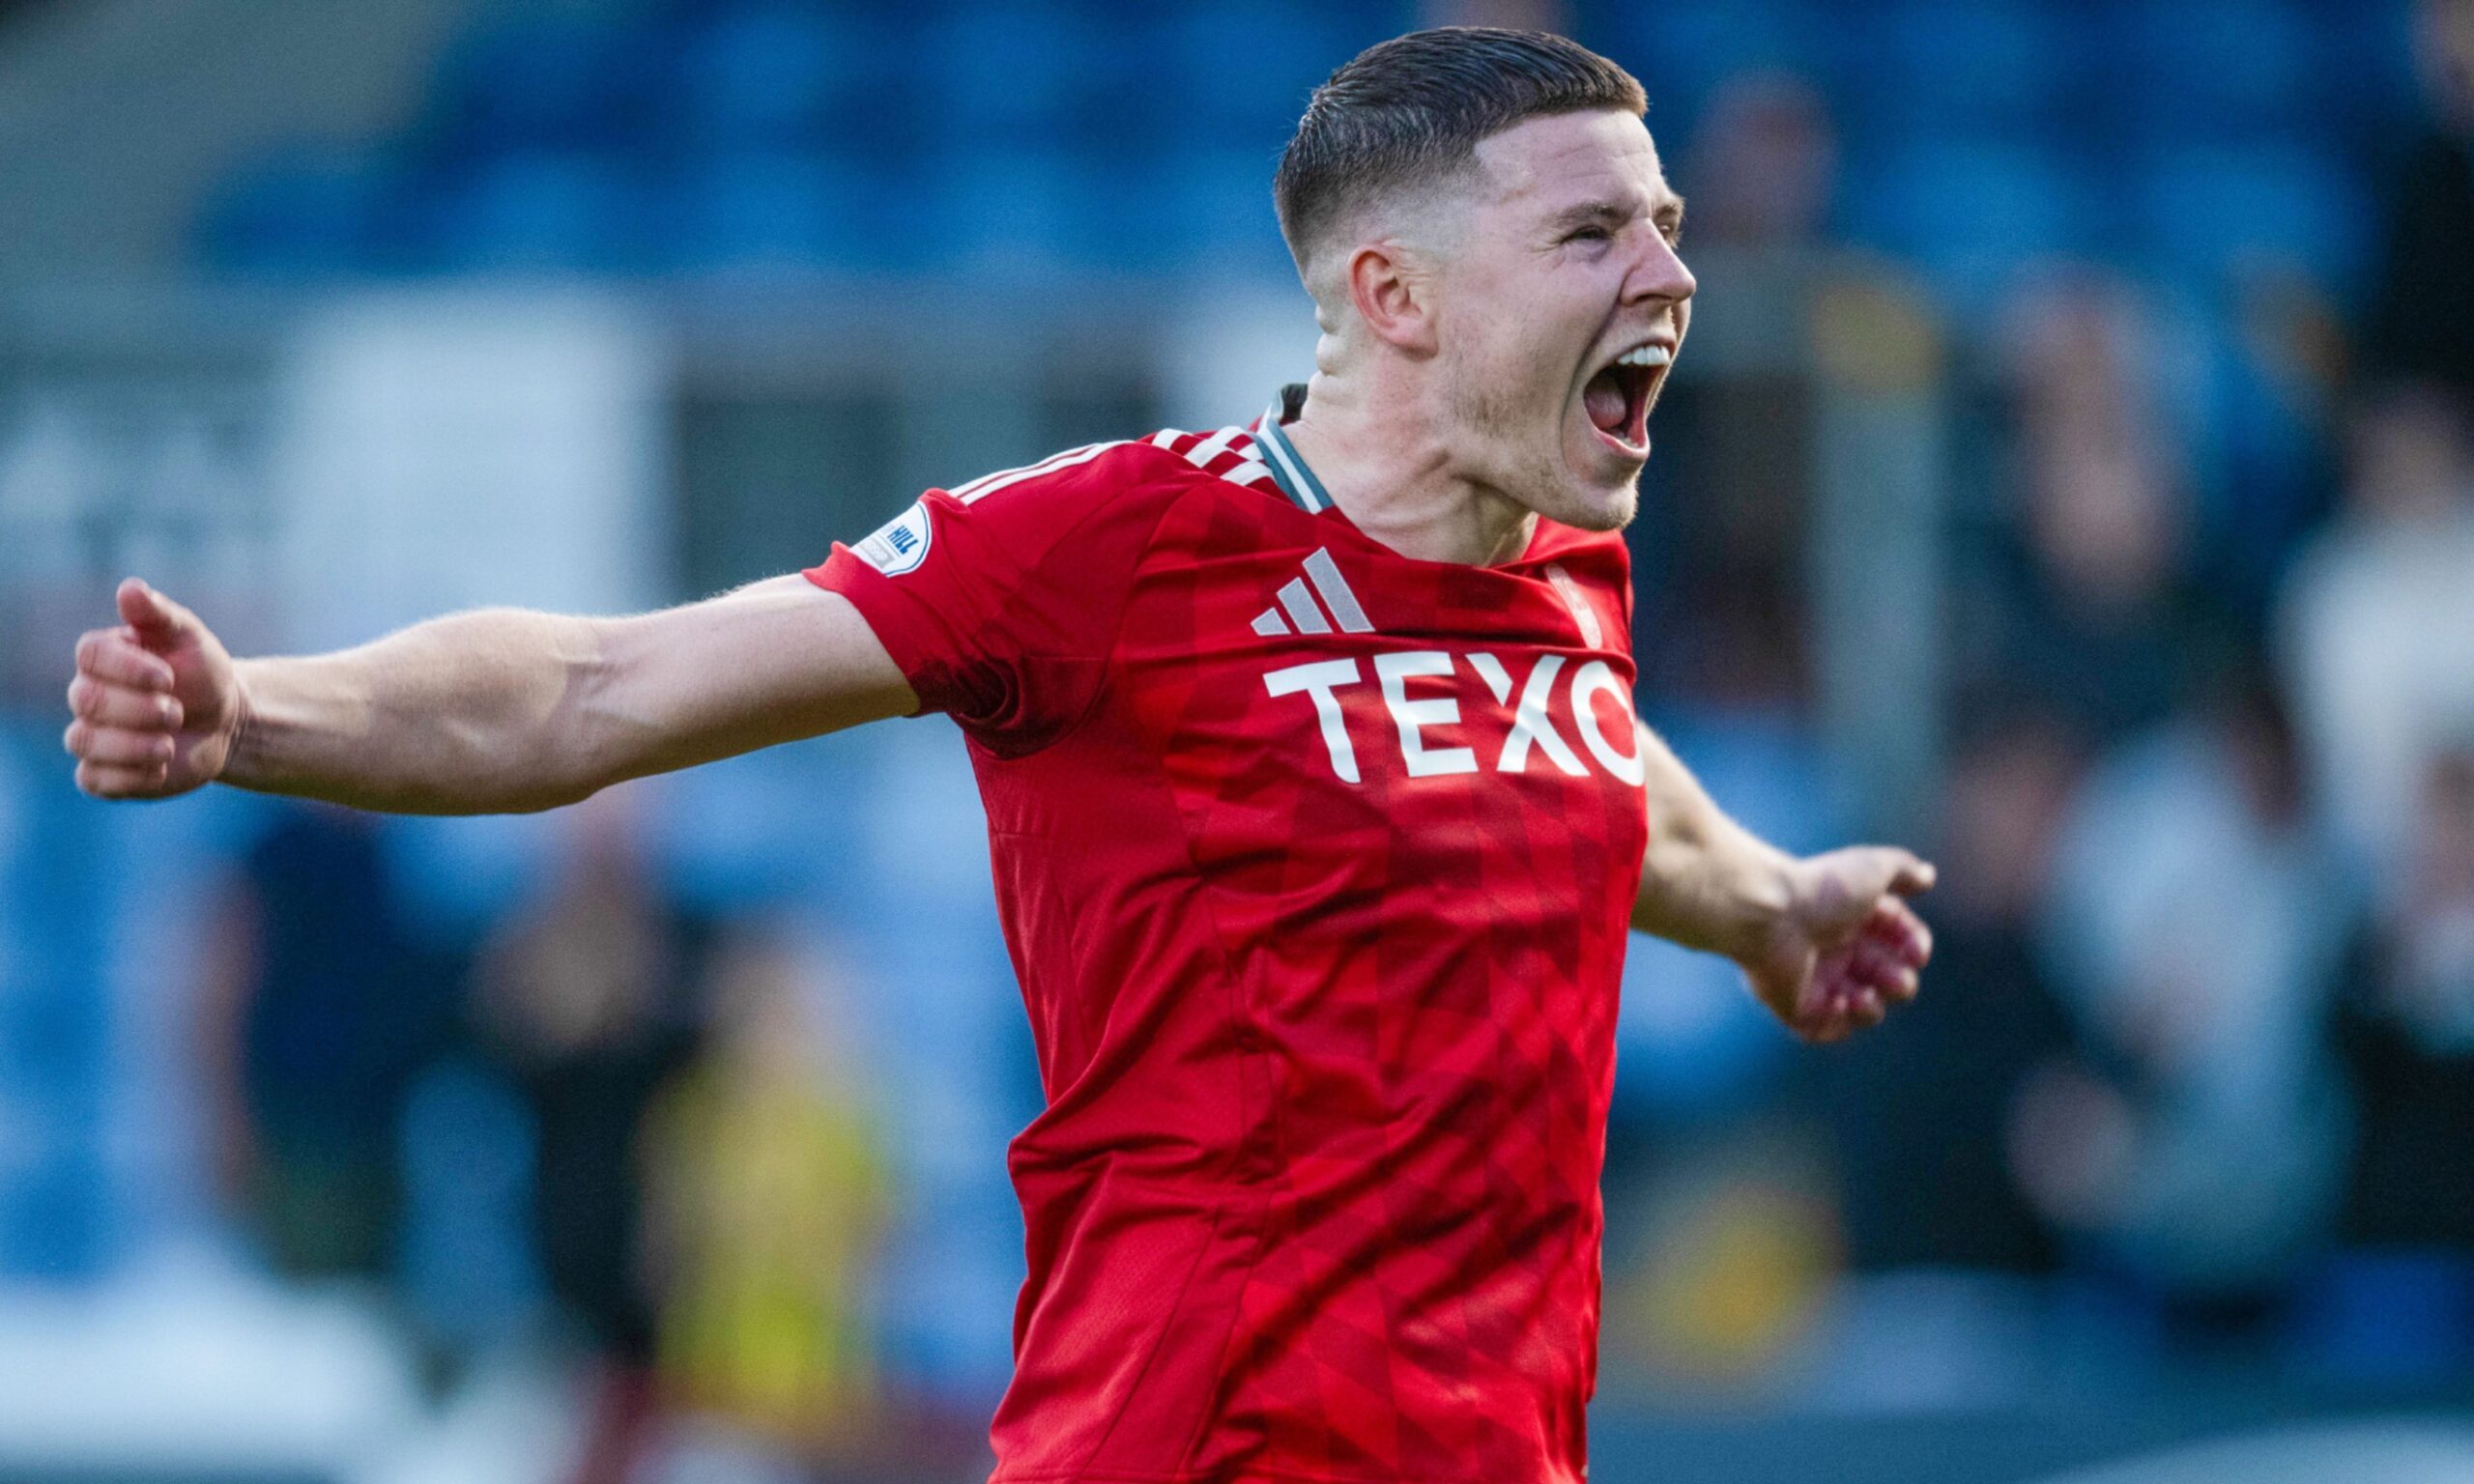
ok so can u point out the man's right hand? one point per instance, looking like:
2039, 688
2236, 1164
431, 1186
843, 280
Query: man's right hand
155, 701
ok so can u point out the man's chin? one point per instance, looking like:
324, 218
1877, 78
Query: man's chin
1612, 513
1604, 500
1585, 509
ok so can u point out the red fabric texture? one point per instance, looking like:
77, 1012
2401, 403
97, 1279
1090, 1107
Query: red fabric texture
1316, 1195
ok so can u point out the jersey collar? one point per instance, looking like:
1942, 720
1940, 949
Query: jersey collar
1287, 466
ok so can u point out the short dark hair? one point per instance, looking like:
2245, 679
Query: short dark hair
1411, 111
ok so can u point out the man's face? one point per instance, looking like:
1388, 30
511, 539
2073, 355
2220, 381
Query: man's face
1559, 311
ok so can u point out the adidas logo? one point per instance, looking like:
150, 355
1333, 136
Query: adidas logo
1298, 602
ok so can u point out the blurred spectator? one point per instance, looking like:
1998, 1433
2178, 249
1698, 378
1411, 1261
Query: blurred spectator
2411, 1037
2082, 599
2196, 927
1764, 166
1725, 526
1728, 1264
1692, 1047
585, 997
2269, 364
767, 1194
2422, 318
1923, 1099
320, 1013
2377, 627
1721, 627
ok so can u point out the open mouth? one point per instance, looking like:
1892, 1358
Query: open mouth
1617, 399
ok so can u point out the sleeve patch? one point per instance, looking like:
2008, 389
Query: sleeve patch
901, 544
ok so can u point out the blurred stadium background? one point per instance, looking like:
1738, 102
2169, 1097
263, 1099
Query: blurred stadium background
2071, 474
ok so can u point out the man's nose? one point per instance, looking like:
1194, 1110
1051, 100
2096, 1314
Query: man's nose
1660, 274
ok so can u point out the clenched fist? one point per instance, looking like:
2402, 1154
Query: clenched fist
155, 703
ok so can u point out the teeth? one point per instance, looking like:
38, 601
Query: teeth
1645, 356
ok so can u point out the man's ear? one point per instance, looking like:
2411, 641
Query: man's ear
1394, 294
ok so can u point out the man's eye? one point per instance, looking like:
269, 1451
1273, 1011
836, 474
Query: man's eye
1589, 235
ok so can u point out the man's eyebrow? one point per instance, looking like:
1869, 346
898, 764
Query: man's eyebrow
1667, 208
1581, 214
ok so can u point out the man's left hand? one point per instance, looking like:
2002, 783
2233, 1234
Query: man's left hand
1846, 947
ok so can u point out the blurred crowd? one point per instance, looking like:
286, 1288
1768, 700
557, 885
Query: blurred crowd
611, 1126
2193, 1052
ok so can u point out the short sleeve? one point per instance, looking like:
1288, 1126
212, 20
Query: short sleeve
1000, 599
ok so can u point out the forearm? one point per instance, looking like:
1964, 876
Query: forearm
1706, 882
475, 713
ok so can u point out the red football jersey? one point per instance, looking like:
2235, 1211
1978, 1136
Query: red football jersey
1316, 864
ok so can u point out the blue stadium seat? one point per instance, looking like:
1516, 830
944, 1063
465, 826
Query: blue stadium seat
554, 80
53, 1223
302, 213
1235, 76
774, 73
1945, 67
2207, 68
2204, 210
540, 213
1012, 73
1971, 214
56, 1027
1211, 211
1684, 49
2367, 90
762, 212
1013, 214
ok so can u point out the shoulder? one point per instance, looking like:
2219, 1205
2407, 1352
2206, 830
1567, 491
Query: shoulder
1123, 479
1097, 507
1166, 462
1231, 455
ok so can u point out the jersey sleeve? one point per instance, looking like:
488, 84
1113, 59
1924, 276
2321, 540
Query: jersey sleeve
1000, 599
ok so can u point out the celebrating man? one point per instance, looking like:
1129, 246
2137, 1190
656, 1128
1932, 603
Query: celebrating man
1317, 804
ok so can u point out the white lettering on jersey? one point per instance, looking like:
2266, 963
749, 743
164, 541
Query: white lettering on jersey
900, 545
1410, 716
1532, 724
1491, 671
1319, 680
1595, 677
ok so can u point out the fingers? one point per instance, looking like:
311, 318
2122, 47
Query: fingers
156, 618
118, 705
1879, 970
114, 656
1837, 1007
122, 715
1895, 927
1855, 988
114, 781
1908, 872
116, 746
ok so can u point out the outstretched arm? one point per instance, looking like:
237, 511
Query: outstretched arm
1828, 942
495, 711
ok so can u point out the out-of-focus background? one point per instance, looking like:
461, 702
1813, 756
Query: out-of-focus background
2071, 474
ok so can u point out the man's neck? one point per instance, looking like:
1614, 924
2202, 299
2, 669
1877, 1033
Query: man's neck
1386, 464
